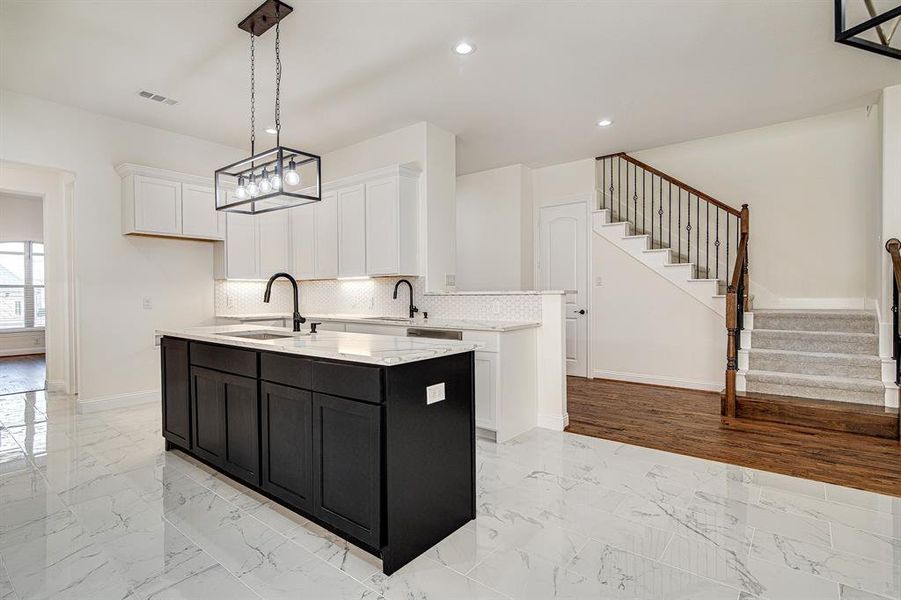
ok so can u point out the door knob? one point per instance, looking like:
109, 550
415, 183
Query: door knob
582, 312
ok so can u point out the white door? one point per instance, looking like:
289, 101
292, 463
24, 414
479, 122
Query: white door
382, 227
199, 216
351, 232
563, 265
274, 239
157, 205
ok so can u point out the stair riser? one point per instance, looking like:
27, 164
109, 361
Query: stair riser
836, 344
862, 397
816, 323
808, 365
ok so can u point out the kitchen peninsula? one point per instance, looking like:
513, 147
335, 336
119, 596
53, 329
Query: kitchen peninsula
371, 436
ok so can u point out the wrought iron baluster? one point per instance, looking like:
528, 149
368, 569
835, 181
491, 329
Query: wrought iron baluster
635, 199
679, 228
688, 229
627, 192
619, 183
707, 243
644, 193
716, 244
660, 213
669, 219
697, 237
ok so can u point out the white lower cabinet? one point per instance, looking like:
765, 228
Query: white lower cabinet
486, 390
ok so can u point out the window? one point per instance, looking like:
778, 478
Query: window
22, 285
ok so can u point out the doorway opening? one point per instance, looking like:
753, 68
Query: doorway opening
23, 313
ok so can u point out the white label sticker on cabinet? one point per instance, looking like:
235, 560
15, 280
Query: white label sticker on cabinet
434, 393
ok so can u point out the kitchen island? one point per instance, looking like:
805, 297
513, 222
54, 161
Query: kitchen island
371, 436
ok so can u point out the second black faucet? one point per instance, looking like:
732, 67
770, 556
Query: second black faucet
413, 309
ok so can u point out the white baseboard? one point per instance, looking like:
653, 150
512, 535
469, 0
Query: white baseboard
555, 422
22, 351
711, 386
117, 401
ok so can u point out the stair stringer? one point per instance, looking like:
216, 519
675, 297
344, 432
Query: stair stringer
659, 260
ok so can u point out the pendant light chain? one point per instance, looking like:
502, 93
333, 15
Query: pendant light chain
278, 83
253, 129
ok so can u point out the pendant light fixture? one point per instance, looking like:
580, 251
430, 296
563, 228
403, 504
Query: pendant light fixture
280, 177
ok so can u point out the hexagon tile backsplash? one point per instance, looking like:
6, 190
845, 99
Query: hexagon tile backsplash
371, 297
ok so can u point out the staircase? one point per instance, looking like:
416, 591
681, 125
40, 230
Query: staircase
822, 354
813, 368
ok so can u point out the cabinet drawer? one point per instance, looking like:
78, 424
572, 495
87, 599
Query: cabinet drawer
349, 381
221, 358
286, 370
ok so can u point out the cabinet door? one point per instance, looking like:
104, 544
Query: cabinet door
382, 222
199, 216
240, 247
157, 205
287, 428
351, 232
486, 388
303, 241
347, 466
176, 392
326, 237
273, 239
208, 414
241, 434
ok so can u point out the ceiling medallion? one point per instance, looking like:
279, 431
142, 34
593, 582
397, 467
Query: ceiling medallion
874, 34
280, 177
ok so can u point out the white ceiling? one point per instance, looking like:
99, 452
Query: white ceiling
544, 73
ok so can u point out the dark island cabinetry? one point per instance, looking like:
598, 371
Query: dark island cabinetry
361, 449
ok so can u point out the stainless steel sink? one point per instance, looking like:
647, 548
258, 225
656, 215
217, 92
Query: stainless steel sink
258, 335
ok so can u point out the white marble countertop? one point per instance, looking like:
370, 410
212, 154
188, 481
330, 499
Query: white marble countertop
382, 350
418, 322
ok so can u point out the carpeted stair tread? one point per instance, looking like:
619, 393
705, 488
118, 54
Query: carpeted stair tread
830, 364
847, 321
842, 389
814, 341
846, 383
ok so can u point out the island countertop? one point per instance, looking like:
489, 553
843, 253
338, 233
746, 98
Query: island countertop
382, 350
418, 322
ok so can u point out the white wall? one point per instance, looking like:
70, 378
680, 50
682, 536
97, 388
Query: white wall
557, 183
432, 150
647, 330
115, 272
21, 218
813, 189
890, 213
494, 230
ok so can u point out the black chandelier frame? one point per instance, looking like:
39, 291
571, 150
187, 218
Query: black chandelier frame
851, 35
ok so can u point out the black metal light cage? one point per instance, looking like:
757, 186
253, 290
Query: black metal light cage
276, 162
852, 35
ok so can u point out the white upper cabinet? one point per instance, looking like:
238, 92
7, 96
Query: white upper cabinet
325, 237
303, 241
382, 227
157, 205
199, 217
351, 231
166, 203
274, 241
238, 257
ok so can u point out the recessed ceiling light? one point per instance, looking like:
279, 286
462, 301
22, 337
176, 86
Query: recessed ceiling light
464, 48
604, 123
271, 131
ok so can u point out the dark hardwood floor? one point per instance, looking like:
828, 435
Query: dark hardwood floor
22, 373
688, 422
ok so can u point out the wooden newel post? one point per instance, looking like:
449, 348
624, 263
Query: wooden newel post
728, 408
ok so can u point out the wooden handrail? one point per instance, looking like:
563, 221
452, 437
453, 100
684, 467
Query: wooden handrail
735, 307
674, 181
893, 247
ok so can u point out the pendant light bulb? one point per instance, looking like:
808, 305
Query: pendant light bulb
275, 181
240, 191
292, 177
253, 190
265, 185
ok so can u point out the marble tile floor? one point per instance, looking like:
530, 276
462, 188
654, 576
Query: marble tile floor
91, 507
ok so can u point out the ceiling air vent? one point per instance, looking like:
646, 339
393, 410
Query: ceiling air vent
157, 97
